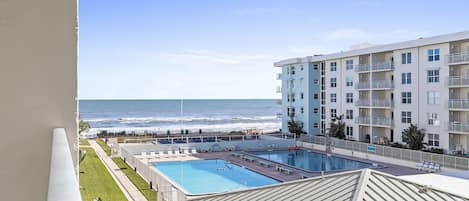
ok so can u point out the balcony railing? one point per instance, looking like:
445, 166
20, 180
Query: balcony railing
278, 76
382, 66
362, 68
376, 84
458, 58
278, 89
375, 103
458, 80
63, 184
458, 104
376, 121
457, 126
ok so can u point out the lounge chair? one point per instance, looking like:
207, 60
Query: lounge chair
436, 168
152, 154
419, 166
265, 164
161, 154
186, 152
194, 151
144, 154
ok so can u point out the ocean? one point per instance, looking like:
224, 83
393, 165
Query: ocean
162, 115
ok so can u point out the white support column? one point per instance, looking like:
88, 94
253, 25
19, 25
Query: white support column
371, 98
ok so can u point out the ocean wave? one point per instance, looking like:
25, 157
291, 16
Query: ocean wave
262, 127
143, 120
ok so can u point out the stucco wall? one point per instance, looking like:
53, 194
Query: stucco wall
38, 85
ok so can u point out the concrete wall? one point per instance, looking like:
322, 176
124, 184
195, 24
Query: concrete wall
38, 85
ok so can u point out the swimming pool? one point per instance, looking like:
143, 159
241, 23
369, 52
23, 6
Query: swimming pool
211, 176
312, 161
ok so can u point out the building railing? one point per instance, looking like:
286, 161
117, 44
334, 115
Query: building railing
387, 65
458, 58
457, 126
362, 68
376, 120
458, 103
458, 80
392, 152
375, 84
375, 103
63, 184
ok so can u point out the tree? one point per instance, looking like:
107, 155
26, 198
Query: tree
413, 136
295, 127
83, 126
337, 128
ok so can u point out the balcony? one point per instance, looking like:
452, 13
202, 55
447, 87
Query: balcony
458, 58
376, 121
63, 184
383, 66
278, 76
374, 103
461, 104
459, 127
376, 85
362, 68
458, 81
279, 89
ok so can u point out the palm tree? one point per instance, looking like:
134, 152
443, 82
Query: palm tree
295, 127
337, 128
83, 126
413, 136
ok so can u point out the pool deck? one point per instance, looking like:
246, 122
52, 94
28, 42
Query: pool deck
297, 173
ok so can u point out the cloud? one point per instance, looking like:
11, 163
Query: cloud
359, 34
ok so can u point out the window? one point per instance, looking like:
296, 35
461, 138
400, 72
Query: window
333, 66
349, 64
433, 97
316, 125
406, 78
316, 81
406, 117
349, 97
288, 70
349, 131
301, 96
293, 97
316, 110
348, 81
333, 97
301, 68
333, 113
302, 110
433, 119
293, 70
433, 76
406, 97
333, 82
348, 114
316, 96
406, 58
315, 67
433, 140
434, 54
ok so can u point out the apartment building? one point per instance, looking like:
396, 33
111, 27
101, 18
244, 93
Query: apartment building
38, 110
381, 90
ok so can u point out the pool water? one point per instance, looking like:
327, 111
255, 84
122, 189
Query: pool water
211, 176
312, 161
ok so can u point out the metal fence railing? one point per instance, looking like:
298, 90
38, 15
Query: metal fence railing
393, 152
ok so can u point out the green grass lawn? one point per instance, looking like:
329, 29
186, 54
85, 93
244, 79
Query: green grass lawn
84, 142
104, 146
138, 181
96, 181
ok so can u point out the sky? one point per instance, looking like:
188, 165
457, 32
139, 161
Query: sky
200, 49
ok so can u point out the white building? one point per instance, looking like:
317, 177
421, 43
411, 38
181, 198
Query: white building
382, 89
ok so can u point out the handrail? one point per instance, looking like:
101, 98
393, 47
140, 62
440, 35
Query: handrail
63, 184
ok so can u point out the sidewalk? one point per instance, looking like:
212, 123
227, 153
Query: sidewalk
127, 187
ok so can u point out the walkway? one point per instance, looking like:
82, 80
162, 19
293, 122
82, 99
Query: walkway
127, 187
